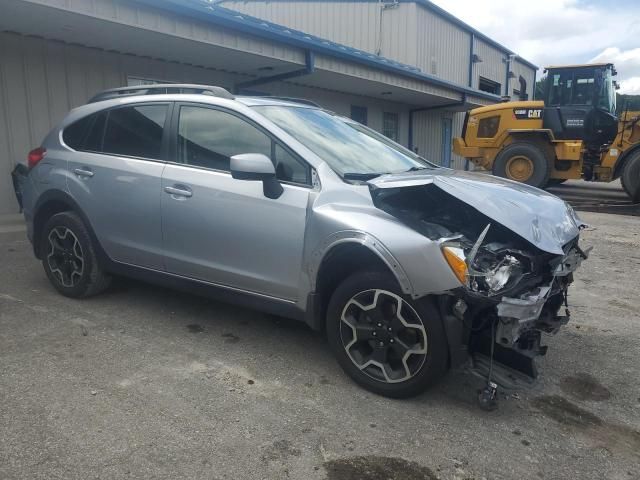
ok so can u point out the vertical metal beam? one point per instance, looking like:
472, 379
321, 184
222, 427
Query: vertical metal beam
471, 54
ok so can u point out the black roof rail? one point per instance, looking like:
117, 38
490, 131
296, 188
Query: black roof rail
303, 101
160, 88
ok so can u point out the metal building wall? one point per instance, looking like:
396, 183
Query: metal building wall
493, 65
527, 73
443, 49
427, 128
353, 23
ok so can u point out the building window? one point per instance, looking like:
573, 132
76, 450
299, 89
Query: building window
390, 125
359, 114
489, 86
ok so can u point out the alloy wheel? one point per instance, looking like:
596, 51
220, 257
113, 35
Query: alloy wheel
65, 257
383, 336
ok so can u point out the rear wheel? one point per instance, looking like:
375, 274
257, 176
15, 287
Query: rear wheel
523, 162
385, 341
69, 257
630, 177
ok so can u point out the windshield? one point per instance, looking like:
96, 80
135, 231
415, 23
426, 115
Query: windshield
387, 141
349, 151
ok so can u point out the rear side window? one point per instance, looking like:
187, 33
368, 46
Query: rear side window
93, 140
75, 134
135, 131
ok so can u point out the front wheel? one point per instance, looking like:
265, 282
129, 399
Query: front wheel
385, 341
523, 162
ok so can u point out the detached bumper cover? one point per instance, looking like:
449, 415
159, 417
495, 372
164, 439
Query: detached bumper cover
18, 177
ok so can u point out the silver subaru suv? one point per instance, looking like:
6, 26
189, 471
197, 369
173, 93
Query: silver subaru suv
409, 269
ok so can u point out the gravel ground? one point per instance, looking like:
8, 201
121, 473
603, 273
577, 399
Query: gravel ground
142, 382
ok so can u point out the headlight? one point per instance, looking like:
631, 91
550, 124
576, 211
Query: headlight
489, 272
456, 259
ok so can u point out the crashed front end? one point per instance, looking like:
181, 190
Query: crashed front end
513, 284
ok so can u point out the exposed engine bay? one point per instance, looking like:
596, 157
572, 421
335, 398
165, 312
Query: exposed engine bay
512, 292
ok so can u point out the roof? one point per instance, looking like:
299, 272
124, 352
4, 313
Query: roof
583, 65
204, 10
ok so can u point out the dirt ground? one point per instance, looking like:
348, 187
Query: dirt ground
142, 382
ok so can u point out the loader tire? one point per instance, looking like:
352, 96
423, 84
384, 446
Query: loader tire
630, 177
523, 162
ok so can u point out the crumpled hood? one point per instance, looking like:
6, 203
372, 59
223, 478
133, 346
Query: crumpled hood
542, 219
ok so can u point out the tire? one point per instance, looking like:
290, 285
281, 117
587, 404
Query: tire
422, 332
630, 177
535, 170
69, 257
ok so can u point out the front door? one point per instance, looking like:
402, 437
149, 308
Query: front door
225, 231
115, 176
446, 142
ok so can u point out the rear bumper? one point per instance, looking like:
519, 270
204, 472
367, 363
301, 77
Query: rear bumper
20, 180
19, 177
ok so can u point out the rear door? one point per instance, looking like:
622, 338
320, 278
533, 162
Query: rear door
222, 230
115, 176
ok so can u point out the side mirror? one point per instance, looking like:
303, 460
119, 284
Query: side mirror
257, 167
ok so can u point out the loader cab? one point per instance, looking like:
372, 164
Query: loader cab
580, 103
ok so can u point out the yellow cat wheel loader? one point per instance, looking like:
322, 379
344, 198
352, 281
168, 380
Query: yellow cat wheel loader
572, 133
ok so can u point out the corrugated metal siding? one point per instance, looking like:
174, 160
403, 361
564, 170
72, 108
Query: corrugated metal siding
355, 24
442, 48
386, 78
41, 80
527, 73
492, 65
427, 131
160, 21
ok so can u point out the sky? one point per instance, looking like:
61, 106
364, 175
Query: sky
552, 32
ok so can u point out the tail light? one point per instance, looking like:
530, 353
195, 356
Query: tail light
35, 156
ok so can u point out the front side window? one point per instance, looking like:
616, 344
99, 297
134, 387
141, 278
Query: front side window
135, 131
209, 138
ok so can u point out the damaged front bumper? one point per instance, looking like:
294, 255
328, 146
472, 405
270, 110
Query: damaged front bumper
505, 334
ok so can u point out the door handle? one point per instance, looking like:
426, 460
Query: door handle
181, 192
82, 172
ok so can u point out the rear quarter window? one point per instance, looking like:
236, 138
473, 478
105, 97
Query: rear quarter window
75, 134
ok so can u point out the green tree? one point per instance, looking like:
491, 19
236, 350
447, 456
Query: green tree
627, 102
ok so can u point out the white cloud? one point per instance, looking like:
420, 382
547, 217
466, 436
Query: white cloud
627, 63
548, 32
